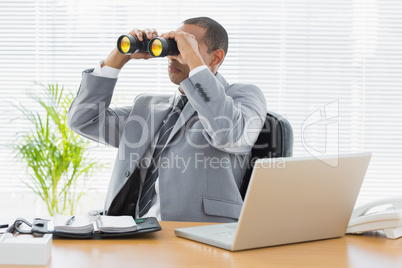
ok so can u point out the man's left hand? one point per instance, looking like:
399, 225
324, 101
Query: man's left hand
188, 47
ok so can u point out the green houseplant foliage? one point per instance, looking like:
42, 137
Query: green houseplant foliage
55, 156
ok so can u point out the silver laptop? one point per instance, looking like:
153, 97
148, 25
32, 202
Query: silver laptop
291, 200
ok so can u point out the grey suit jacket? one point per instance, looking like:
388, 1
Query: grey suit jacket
203, 165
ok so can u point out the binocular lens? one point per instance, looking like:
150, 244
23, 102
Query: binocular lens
161, 47
128, 44
125, 44
156, 48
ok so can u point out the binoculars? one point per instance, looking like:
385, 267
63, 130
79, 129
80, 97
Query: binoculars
157, 47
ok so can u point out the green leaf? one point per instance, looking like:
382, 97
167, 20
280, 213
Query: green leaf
54, 156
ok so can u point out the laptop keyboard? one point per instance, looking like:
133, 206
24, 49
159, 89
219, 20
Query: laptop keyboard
228, 231
228, 234
231, 226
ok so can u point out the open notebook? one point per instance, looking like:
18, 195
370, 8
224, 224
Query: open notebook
95, 225
84, 224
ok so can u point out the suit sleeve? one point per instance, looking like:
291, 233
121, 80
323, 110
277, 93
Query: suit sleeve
232, 115
90, 114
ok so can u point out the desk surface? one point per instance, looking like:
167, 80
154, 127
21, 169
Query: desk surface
164, 249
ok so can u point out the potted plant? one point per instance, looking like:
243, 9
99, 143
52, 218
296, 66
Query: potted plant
56, 158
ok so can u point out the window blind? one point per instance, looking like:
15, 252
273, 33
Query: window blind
332, 68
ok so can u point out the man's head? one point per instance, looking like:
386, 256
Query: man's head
215, 36
212, 41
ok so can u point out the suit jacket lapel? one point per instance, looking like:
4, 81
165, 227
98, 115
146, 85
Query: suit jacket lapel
153, 122
188, 111
185, 115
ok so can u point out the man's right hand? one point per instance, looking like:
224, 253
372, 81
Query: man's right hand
118, 60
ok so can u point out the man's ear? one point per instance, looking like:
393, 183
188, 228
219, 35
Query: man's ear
217, 57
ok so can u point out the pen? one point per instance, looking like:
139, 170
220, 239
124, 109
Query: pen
11, 229
70, 221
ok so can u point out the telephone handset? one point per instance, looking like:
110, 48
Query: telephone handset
389, 220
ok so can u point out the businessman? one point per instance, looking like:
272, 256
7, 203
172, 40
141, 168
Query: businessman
181, 156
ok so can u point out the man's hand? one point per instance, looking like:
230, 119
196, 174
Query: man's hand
118, 60
188, 47
151, 33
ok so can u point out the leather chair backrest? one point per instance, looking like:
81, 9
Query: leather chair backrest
275, 140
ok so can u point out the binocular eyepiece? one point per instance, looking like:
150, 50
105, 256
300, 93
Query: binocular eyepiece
157, 46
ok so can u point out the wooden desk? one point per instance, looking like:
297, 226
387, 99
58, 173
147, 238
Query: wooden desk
164, 249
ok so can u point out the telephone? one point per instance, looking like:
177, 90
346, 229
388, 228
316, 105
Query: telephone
389, 219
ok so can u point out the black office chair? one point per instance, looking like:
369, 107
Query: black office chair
275, 140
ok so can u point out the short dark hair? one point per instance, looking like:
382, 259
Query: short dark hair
215, 37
